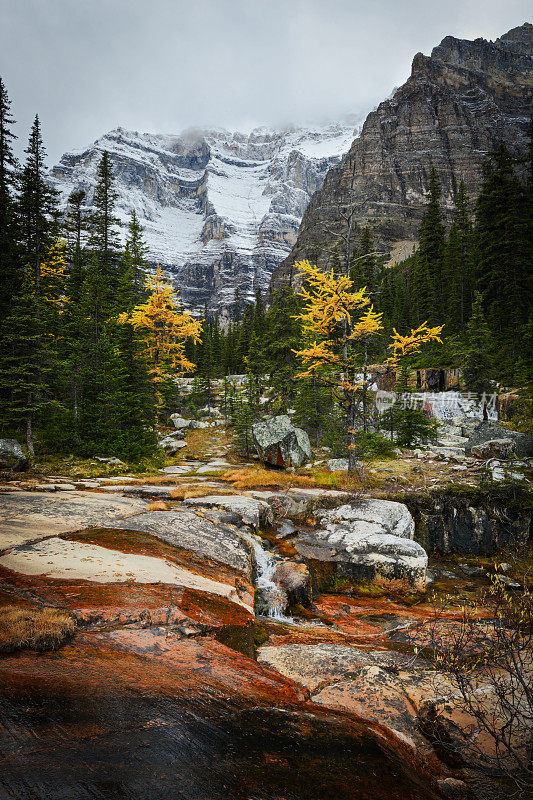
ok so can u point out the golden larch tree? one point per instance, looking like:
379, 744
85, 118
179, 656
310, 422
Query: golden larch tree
163, 329
338, 322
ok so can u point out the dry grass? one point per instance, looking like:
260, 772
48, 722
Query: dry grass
158, 505
186, 492
205, 443
257, 477
33, 629
251, 478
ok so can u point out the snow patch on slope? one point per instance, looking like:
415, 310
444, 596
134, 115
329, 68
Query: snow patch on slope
220, 209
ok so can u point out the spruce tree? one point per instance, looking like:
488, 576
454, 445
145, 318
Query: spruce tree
74, 228
37, 206
430, 254
363, 269
136, 251
476, 350
459, 264
282, 337
24, 376
103, 238
9, 274
503, 247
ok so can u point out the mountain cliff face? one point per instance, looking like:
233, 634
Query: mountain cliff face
457, 106
220, 210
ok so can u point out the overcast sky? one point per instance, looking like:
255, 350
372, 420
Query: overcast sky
86, 66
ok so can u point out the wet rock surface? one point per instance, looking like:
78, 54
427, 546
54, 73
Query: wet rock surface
463, 524
315, 666
159, 694
138, 714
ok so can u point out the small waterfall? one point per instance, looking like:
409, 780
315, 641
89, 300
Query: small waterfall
274, 598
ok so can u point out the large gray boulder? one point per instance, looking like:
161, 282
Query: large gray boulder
488, 431
370, 516
493, 448
179, 422
370, 541
12, 455
279, 443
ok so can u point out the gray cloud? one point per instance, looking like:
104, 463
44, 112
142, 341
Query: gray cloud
87, 66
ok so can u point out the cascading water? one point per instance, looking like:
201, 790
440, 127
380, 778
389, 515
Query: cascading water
274, 598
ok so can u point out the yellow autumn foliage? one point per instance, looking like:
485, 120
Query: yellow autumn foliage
53, 274
335, 316
404, 346
163, 329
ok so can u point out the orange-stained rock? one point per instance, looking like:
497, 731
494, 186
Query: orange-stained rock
378, 695
130, 603
142, 714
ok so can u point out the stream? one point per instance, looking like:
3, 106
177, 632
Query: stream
265, 565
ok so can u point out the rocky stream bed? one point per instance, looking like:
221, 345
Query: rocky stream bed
221, 648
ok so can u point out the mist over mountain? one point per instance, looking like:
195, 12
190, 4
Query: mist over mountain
220, 210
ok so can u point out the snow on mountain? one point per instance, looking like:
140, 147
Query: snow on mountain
220, 209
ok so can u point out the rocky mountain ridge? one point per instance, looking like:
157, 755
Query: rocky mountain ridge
456, 107
220, 210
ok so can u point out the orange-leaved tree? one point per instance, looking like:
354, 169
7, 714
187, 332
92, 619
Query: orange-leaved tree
338, 322
163, 329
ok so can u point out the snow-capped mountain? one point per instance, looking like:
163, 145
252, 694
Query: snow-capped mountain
220, 210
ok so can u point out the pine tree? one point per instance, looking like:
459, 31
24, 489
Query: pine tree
136, 251
503, 246
363, 269
37, 206
24, 377
282, 337
476, 349
74, 228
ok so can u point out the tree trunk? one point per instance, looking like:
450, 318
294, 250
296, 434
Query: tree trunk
29, 436
352, 460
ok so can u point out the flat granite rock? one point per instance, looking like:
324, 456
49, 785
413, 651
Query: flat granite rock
28, 516
371, 516
251, 511
184, 528
378, 558
64, 560
379, 696
316, 665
